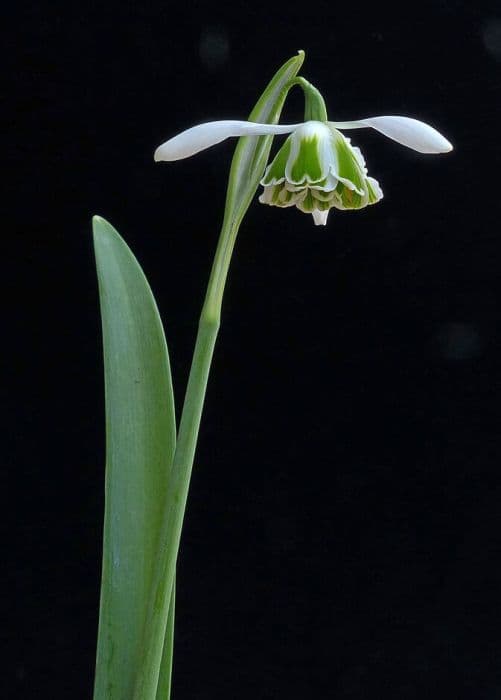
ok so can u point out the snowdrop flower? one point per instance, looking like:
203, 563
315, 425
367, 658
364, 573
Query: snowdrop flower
316, 168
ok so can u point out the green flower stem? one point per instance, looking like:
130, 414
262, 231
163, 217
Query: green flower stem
146, 686
314, 103
248, 165
165, 677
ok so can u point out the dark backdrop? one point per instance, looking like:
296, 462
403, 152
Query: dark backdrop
343, 536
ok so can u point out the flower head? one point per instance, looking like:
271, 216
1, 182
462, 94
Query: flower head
317, 168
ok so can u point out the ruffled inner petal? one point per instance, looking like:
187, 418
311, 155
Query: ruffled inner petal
375, 191
318, 169
350, 164
275, 172
279, 196
311, 154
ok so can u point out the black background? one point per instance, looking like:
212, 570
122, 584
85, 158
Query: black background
343, 536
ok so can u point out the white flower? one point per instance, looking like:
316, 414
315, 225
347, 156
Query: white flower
317, 167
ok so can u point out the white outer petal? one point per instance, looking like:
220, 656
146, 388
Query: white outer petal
409, 132
196, 139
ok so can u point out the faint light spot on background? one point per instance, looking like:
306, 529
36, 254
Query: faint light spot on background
214, 47
459, 341
491, 35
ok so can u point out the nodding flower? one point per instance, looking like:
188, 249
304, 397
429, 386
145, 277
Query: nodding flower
317, 168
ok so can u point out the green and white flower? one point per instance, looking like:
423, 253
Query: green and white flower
316, 168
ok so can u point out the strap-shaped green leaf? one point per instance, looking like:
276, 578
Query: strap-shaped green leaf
140, 435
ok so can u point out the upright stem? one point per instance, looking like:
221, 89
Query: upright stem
170, 533
247, 167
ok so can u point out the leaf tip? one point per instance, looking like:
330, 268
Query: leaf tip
102, 230
98, 223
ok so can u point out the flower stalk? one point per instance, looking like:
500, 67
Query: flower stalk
314, 103
247, 167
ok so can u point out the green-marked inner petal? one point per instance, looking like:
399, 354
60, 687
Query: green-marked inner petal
328, 184
279, 196
310, 203
349, 168
323, 196
275, 172
317, 168
350, 199
312, 154
306, 166
375, 191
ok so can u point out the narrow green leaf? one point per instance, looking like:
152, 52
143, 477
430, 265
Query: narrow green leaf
141, 435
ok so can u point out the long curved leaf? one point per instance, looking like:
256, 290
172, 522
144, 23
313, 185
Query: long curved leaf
141, 435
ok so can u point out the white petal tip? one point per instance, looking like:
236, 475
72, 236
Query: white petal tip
436, 143
448, 147
165, 153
